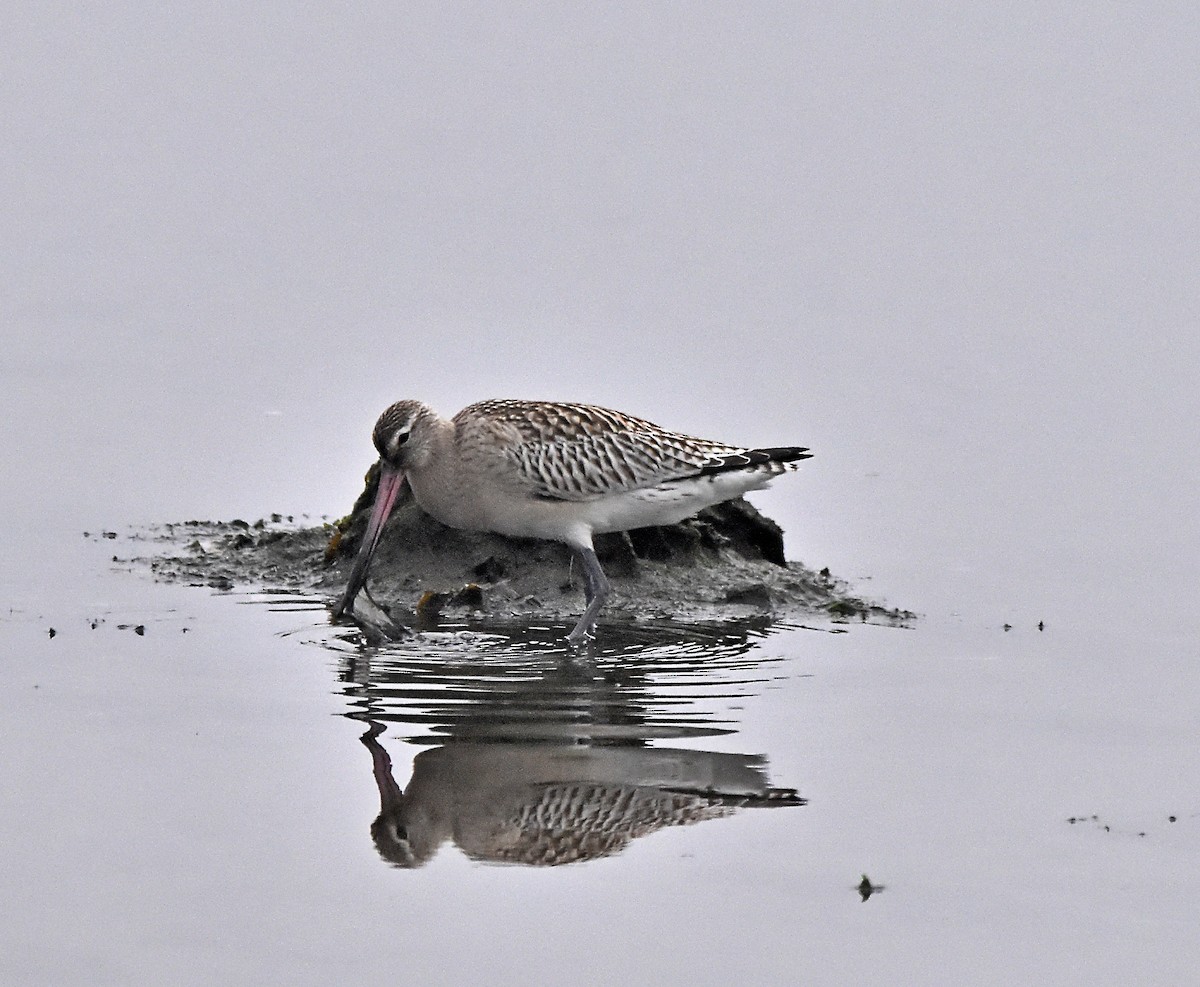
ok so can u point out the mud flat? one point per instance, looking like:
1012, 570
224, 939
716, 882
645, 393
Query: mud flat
725, 563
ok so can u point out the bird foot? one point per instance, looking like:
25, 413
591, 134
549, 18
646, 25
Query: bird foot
582, 634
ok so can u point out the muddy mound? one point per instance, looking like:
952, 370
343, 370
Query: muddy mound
726, 562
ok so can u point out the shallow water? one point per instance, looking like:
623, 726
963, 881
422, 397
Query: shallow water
954, 254
244, 793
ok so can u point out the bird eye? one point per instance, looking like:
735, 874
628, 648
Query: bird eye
402, 438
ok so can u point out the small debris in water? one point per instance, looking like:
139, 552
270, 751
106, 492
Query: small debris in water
866, 888
1041, 625
140, 630
53, 632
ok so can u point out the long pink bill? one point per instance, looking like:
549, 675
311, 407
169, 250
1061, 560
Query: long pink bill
390, 482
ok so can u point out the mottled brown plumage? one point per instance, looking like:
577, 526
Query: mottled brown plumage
543, 805
566, 472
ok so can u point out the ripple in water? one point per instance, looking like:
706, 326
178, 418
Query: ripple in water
514, 683
536, 755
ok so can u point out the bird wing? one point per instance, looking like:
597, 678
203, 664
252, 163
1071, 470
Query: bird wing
580, 452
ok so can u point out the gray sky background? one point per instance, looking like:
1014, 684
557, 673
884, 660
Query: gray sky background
954, 250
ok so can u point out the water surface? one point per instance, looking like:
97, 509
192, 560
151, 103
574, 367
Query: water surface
953, 253
244, 792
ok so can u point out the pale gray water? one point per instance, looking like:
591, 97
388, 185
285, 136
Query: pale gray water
955, 255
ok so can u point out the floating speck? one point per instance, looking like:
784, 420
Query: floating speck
865, 888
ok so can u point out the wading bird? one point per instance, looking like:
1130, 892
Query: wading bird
565, 472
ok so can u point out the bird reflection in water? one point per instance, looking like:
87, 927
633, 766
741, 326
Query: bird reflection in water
542, 763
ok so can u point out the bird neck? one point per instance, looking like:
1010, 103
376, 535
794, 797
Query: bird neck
435, 483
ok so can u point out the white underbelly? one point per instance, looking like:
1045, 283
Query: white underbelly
576, 521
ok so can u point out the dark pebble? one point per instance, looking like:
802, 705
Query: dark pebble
490, 570
469, 596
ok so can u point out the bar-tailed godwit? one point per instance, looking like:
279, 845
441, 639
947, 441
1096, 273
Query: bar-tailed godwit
565, 472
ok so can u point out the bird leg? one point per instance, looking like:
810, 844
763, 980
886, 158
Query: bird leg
596, 588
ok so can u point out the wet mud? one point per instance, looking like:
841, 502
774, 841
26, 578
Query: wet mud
726, 563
